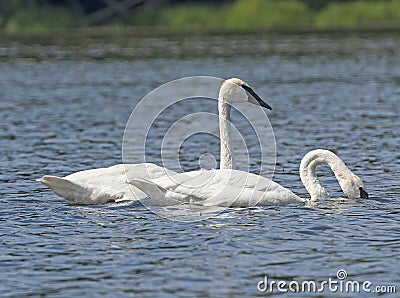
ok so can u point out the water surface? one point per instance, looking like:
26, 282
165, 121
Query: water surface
64, 109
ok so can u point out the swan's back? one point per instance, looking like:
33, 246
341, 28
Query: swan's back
119, 173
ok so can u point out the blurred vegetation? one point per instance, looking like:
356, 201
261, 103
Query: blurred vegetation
243, 14
20, 14
240, 14
40, 19
360, 14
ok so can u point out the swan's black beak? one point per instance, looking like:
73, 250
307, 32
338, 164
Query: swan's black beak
363, 193
257, 98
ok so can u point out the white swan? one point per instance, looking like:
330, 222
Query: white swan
104, 185
227, 187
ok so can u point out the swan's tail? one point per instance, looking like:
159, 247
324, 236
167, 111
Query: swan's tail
76, 192
65, 188
154, 192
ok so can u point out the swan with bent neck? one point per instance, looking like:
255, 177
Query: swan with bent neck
233, 188
105, 185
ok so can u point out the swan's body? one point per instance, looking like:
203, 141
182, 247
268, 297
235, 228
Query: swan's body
104, 185
224, 187
237, 188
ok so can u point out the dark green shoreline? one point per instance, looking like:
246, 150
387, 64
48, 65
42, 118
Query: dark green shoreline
112, 32
234, 17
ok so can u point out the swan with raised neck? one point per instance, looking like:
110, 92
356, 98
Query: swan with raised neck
104, 185
233, 90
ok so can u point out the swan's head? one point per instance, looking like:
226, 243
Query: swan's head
352, 186
236, 90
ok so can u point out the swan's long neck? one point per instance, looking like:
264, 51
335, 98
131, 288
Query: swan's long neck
226, 153
309, 177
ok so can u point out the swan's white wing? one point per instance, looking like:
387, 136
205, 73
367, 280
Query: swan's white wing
104, 185
155, 192
219, 188
249, 197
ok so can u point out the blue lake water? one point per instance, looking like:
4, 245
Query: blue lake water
64, 109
